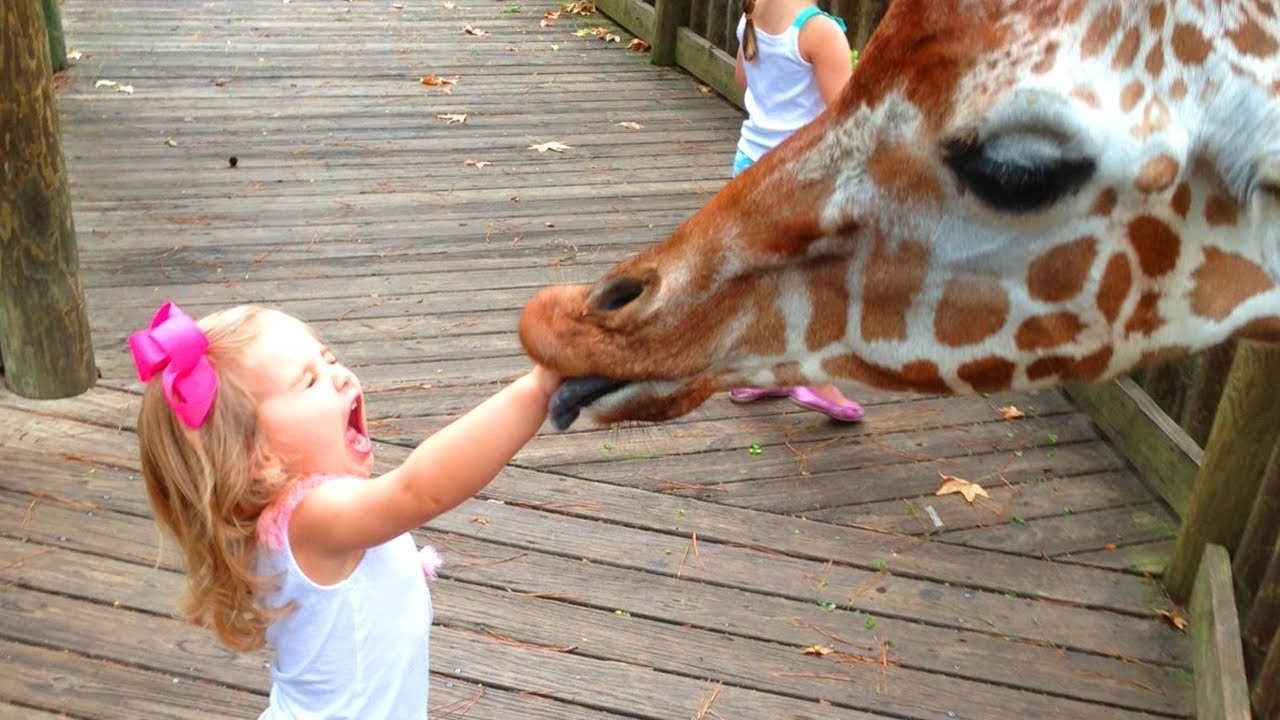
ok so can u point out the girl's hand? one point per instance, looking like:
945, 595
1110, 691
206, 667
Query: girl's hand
545, 379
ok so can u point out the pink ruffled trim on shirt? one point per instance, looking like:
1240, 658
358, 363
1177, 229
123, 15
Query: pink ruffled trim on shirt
273, 522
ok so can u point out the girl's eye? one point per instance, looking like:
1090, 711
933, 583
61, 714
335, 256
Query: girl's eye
331, 358
311, 380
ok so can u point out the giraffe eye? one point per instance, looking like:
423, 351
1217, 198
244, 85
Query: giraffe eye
1016, 177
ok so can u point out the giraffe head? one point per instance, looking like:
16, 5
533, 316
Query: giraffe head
1009, 194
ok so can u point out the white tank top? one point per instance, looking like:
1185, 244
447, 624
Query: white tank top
356, 649
782, 93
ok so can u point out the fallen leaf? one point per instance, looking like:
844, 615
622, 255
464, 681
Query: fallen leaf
819, 650
444, 83
704, 88
75, 55
1178, 622
476, 163
480, 520
630, 125
549, 18
1011, 412
552, 145
171, 142
471, 30
449, 5
637, 45
397, 6
126, 89
604, 34
951, 484
105, 83
1109, 547
581, 7
453, 118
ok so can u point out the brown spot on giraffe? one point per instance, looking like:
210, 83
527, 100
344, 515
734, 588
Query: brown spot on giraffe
1060, 273
1156, 175
1220, 209
1127, 50
1155, 118
1181, 200
989, 374
1048, 331
903, 174
1251, 39
1087, 96
1263, 330
1100, 31
1089, 367
921, 376
1189, 45
1154, 63
1178, 90
891, 277
788, 374
1130, 94
1146, 315
1105, 203
828, 288
971, 309
1046, 61
1113, 288
1157, 15
768, 334
1224, 281
1156, 243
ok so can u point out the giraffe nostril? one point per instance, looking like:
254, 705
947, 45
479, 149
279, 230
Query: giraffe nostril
615, 294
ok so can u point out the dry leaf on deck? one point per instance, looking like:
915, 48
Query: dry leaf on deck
475, 163
452, 118
1178, 622
552, 146
472, 30
449, 5
480, 520
951, 484
581, 7
819, 650
1011, 413
637, 45
630, 125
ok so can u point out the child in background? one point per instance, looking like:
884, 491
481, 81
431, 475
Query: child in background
793, 60
256, 457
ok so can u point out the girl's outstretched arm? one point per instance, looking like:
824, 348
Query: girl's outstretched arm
340, 519
824, 45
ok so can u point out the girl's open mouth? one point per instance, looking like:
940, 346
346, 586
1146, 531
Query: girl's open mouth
357, 432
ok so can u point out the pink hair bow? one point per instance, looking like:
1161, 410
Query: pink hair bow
176, 346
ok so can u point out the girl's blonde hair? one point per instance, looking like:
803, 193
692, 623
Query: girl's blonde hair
206, 487
749, 32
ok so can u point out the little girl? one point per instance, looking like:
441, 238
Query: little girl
791, 69
256, 456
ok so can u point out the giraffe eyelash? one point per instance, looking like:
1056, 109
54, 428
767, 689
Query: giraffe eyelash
1011, 186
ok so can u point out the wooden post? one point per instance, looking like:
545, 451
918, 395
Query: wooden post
44, 328
1260, 532
53, 27
1262, 617
669, 16
1202, 403
869, 14
1244, 429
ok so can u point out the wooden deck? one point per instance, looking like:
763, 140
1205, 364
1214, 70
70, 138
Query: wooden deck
658, 572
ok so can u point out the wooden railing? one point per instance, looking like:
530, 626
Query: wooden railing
1204, 432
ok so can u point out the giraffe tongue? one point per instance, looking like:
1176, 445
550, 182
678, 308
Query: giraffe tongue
575, 394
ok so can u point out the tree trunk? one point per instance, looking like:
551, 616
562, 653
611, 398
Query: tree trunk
44, 326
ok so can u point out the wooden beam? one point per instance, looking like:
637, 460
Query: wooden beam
1266, 685
1163, 454
669, 15
708, 63
1221, 690
637, 17
1244, 431
44, 327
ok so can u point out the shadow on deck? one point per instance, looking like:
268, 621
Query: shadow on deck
653, 572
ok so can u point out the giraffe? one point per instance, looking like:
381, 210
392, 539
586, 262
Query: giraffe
1009, 194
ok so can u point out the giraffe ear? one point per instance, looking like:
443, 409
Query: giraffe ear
1264, 211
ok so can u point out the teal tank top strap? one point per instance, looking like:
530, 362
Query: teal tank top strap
810, 12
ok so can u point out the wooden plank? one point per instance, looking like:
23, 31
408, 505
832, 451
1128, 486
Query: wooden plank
1063, 534
1142, 558
1222, 692
1163, 453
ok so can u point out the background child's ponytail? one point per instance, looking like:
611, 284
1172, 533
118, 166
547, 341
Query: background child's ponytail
749, 32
